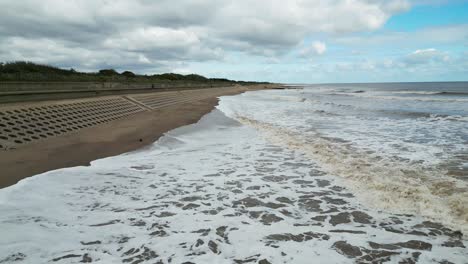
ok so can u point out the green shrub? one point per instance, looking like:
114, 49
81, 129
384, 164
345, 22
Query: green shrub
29, 71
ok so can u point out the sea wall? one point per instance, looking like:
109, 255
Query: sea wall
37, 91
25, 123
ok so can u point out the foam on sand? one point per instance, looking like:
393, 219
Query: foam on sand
213, 192
396, 175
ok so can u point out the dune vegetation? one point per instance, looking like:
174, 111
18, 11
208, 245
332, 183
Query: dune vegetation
34, 72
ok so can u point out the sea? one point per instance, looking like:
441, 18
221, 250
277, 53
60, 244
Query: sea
323, 173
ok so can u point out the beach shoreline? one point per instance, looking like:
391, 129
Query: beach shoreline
81, 147
211, 191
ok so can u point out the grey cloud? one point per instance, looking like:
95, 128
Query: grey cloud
141, 33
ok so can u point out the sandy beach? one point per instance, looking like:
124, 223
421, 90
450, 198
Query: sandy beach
216, 191
234, 132
78, 148
234, 186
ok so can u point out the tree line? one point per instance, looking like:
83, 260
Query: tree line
29, 71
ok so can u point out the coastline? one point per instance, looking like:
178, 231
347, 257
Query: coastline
81, 147
211, 191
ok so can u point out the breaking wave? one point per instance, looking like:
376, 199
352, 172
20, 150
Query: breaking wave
403, 98
378, 181
401, 166
432, 93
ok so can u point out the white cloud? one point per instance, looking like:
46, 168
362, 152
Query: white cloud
435, 35
151, 38
421, 60
145, 31
143, 59
316, 48
64, 54
319, 47
425, 56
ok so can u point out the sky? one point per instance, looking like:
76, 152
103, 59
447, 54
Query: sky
288, 41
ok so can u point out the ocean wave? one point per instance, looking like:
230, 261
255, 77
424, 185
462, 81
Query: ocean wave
274, 95
394, 95
405, 114
431, 93
414, 92
408, 98
325, 113
220, 186
427, 116
340, 93
458, 118
453, 93
379, 181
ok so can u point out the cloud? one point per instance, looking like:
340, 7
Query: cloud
316, 48
136, 33
448, 34
319, 47
425, 56
64, 54
422, 61
143, 39
435, 2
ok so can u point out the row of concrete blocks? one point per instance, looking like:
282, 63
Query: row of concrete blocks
21, 124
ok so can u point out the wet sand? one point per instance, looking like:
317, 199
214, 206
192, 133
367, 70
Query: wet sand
213, 192
81, 147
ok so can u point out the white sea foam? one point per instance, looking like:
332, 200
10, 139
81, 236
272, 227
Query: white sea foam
405, 98
415, 92
214, 192
385, 171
